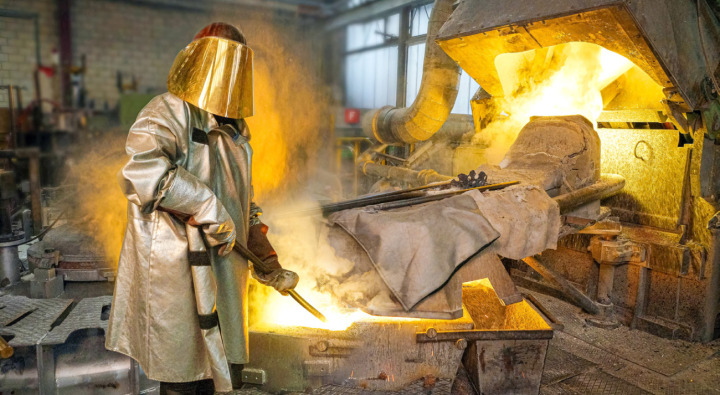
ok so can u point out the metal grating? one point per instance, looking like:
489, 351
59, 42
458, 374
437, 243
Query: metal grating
561, 365
28, 320
441, 387
88, 314
555, 389
600, 383
250, 391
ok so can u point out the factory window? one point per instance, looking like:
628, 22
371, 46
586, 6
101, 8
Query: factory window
373, 33
419, 17
371, 78
467, 88
466, 91
371, 62
415, 57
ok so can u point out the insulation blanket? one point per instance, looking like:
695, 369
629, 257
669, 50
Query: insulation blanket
527, 219
417, 249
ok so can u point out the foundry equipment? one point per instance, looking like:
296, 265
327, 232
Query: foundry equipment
457, 320
10, 266
658, 131
389, 354
475, 319
32, 156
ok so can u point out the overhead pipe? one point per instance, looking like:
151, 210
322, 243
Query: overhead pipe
455, 128
435, 100
608, 185
409, 176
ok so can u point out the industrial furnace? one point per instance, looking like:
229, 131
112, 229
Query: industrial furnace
655, 268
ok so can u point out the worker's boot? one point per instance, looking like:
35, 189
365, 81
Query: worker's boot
236, 375
202, 387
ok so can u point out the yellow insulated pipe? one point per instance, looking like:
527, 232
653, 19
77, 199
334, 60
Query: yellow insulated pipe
435, 100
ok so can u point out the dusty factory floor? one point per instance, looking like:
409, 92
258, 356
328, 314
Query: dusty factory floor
584, 360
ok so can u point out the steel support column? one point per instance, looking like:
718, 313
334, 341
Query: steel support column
712, 288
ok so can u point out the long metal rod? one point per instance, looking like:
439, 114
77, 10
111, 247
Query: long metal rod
369, 200
474, 335
405, 197
404, 191
439, 196
14, 138
258, 263
608, 185
567, 288
35, 189
66, 51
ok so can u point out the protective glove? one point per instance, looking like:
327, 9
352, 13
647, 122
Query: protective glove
271, 274
282, 280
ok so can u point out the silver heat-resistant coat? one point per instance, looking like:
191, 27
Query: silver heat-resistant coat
181, 166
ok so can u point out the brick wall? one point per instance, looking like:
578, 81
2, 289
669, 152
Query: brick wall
137, 41
115, 36
18, 46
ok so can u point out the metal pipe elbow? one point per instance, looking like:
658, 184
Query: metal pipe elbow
435, 100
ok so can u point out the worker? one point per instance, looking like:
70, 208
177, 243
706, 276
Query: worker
180, 301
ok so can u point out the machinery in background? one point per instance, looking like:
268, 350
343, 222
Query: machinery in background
659, 269
36, 146
11, 235
64, 274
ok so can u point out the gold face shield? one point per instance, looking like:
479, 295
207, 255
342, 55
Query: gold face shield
216, 75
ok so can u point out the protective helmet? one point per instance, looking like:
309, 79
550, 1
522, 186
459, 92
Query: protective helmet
215, 72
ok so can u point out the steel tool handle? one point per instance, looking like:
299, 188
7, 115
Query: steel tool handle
258, 263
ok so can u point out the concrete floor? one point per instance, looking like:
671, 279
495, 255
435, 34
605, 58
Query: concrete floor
583, 359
